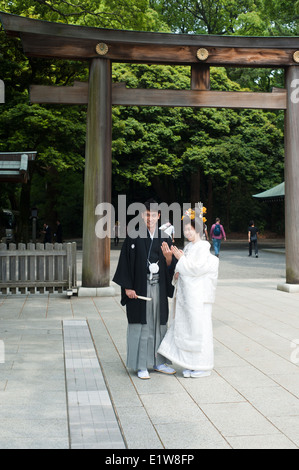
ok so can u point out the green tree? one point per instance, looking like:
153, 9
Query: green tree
118, 14
187, 154
280, 18
203, 16
242, 17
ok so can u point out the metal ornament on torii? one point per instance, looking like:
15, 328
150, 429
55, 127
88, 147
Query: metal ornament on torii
100, 47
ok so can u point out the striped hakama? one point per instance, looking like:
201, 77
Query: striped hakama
143, 341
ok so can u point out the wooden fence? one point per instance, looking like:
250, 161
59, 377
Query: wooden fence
38, 268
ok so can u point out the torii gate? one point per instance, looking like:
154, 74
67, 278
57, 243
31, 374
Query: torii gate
101, 47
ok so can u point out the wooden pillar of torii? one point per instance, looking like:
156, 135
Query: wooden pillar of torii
101, 47
292, 179
97, 182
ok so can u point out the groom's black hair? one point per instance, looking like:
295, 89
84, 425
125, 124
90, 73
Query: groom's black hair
151, 205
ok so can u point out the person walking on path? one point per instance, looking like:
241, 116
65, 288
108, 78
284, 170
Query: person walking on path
145, 268
252, 238
58, 233
217, 233
116, 233
47, 232
189, 339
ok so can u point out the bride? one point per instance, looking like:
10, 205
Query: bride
189, 339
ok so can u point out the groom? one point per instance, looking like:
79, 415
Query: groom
145, 268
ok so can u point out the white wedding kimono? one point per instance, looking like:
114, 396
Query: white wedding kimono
189, 339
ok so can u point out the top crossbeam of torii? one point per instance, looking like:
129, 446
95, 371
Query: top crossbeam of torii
58, 40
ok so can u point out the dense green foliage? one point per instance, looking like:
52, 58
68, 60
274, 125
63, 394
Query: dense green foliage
221, 157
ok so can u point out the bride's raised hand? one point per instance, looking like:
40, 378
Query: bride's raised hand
176, 252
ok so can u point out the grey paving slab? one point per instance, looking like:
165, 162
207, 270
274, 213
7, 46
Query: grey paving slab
33, 399
92, 420
265, 442
200, 434
238, 419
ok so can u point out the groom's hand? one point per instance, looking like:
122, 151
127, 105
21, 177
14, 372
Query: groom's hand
131, 294
167, 253
176, 252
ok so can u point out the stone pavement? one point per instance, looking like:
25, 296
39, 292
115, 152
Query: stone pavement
64, 384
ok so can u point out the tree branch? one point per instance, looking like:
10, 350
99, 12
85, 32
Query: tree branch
83, 11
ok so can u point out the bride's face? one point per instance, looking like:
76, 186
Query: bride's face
189, 232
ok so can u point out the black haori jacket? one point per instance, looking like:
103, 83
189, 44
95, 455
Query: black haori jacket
131, 273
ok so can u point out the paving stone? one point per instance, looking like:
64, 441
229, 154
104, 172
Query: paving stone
92, 418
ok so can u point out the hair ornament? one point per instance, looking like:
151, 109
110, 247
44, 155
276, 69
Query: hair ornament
189, 213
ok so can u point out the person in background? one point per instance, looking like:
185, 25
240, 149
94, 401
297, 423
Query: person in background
47, 233
116, 233
58, 233
205, 235
217, 233
252, 238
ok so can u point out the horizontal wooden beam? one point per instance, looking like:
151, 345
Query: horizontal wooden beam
84, 49
58, 40
13, 178
17, 25
17, 156
201, 99
250, 57
77, 94
122, 96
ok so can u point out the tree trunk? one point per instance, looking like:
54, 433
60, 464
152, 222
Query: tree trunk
195, 187
210, 202
227, 222
23, 231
